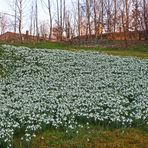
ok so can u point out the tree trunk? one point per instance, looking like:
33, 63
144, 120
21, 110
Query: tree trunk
115, 14
36, 18
124, 30
20, 19
95, 19
127, 15
15, 16
145, 13
31, 20
102, 18
61, 19
50, 18
88, 28
79, 34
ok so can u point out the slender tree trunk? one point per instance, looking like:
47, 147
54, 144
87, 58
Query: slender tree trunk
36, 18
79, 22
124, 30
145, 13
88, 28
95, 19
20, 19
61, 19
102, 17
31, 19
58, 12
50, 18
34, 26
58, 19
67, 26
136, 16
15, 16
108, 17
127, 15
115, 14
64, 13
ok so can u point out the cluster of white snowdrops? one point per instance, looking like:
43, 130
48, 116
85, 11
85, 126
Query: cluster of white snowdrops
58, 88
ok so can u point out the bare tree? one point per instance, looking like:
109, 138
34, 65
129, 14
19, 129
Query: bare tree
20, 16
15, 16
43, 29
135, 15
3, 23
79, 21
102, 17
109, 16
67, 25
95, 18
50, 18
145, 15
36, 18
115, 14
58, 14
88, 17
61, 19
88, 25
57, 29
31, 18
64, 13
127, 14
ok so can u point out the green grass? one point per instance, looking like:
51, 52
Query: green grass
124, 53
94, 137
140, 51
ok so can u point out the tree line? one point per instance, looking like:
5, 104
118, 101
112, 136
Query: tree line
76, 18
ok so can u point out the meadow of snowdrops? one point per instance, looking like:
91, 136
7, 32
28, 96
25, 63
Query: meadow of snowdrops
41, 88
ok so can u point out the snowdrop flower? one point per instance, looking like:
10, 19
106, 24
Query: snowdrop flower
60, 88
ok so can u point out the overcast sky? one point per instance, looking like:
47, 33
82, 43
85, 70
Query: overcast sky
5, 7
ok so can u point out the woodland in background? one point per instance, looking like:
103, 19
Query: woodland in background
82, 19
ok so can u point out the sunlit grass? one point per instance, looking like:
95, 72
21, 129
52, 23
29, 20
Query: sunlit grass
95, 137
140, 51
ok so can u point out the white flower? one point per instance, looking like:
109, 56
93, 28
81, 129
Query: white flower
56, 87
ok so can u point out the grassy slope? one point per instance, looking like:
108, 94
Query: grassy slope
140, 51
95, 137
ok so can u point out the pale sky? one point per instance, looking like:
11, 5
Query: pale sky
5, 6
42, 12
